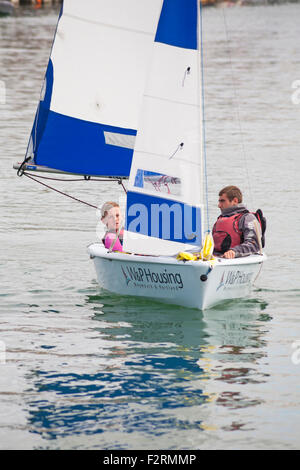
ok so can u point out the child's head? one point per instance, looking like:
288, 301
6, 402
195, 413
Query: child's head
110, 215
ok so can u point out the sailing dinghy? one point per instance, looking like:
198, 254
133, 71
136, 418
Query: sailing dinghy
123, 99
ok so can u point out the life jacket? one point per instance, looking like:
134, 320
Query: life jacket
110, 239
226, 233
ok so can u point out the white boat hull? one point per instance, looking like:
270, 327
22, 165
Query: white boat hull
192, 284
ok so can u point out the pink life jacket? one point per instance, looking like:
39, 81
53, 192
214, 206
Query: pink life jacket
226, 233
109, 239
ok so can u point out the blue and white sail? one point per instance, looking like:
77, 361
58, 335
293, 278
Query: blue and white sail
87, 118
164, 212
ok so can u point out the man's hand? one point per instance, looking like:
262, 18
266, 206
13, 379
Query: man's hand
229, 254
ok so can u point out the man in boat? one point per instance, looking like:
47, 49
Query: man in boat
236, 232
111, 217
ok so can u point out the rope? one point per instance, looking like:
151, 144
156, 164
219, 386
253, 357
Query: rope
60, 192
21, 172
21, 169
121, 183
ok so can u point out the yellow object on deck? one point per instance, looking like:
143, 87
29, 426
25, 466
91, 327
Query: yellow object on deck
207, 247
206, 253
184, 256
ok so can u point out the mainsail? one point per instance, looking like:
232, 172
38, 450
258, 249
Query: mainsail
165, 191
87, 118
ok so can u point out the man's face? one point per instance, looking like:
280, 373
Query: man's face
224, 202
112, 220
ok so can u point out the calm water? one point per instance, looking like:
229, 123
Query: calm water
85, 369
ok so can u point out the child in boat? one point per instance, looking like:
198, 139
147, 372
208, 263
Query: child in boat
111, 217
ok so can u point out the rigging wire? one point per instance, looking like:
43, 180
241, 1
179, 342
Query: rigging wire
236, 98
60, 192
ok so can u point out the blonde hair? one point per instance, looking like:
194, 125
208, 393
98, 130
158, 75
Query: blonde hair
106, 207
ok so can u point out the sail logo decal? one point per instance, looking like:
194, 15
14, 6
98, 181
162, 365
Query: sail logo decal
221, 282
145, 277
234, 278
159, 217
128, 280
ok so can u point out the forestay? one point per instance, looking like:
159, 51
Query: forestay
164, 199
87, 117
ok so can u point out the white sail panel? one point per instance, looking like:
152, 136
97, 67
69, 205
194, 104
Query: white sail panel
103, 84
182, 66
172, 96
143, 244
134, 15
173, 134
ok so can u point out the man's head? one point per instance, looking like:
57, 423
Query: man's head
229, 196
110, 215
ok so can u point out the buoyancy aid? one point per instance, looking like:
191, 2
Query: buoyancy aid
226, 233
110, 239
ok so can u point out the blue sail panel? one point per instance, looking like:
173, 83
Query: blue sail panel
78, 146
163, 218
178, 24
43, 109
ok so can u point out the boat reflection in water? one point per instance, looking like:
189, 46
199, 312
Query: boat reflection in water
149, 368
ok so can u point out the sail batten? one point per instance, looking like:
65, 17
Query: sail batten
183, 103
167, 157
130, 30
